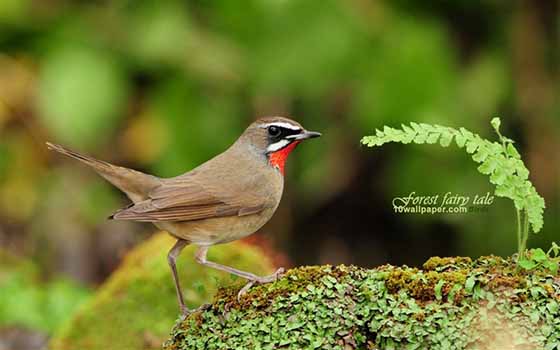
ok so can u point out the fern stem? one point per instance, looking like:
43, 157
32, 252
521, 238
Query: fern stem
519, 235
525, 231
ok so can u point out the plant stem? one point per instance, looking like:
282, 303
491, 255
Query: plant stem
524, 233
525, 230
519, 248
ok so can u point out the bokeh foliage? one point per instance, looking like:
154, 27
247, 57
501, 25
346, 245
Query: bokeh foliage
28, 301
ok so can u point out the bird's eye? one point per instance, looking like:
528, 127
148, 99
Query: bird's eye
274, 131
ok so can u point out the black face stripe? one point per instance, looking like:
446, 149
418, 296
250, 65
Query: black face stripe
283, 133
278, 136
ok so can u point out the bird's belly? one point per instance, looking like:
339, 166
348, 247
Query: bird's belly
217, 230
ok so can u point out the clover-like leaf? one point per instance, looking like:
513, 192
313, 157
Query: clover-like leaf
527, 264
469, 284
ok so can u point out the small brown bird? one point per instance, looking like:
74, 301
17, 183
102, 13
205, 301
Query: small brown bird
224, 199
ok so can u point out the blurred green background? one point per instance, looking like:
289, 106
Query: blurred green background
162, 86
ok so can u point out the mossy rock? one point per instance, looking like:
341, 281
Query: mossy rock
137, 306
451, 303
30, 301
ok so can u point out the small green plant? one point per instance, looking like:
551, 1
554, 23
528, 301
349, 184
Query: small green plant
537, 259
500, 160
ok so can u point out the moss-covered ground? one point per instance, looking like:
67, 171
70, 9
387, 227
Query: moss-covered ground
451, 303
137, 306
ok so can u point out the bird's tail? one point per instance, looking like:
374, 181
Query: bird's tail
135, 184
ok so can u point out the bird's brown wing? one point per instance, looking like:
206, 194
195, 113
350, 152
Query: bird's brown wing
186, 202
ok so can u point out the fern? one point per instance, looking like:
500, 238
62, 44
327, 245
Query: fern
500, 160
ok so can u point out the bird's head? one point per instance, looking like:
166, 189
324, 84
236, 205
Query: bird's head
276, 137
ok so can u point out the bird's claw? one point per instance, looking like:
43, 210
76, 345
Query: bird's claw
261, 280
186, 312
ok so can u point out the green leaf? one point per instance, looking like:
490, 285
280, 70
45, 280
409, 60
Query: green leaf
552, 306
504, 190
512, 152
527, 264
496, 122
437, 289
451, 296
471, 146
468, 135
416, 127
432, 138
551, 265
498, 176
555, 249
522, 172
428, 127
445, 139
460, 140
480, 155
407, 129
534, 316
538, 255
488, 166
407, 138
469, 284
420, 138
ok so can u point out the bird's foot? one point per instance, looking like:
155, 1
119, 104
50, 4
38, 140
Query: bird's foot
261, 280
185, 311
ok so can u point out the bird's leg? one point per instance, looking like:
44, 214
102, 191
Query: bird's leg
171, 258
200, 257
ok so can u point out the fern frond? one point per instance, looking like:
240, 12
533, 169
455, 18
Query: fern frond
499, 160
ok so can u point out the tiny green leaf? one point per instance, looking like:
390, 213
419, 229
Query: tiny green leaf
471, 146
420, 138
527, 264
512, 152
437, 289
445, 139
469, 284
460, 140
538, 255
496, 122
432, 138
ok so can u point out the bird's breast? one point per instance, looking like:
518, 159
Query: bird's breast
218, 230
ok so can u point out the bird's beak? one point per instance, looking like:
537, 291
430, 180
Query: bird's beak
304, 135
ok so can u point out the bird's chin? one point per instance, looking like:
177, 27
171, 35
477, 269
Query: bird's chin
278, 159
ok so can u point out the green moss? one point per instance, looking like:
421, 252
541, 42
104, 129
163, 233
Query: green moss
437, 263
453, 303
137, 306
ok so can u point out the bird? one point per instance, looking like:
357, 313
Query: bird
224, 199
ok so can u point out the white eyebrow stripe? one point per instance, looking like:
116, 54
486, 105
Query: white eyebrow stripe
277, 145
281, 125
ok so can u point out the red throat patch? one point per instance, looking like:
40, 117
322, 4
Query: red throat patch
278, 158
